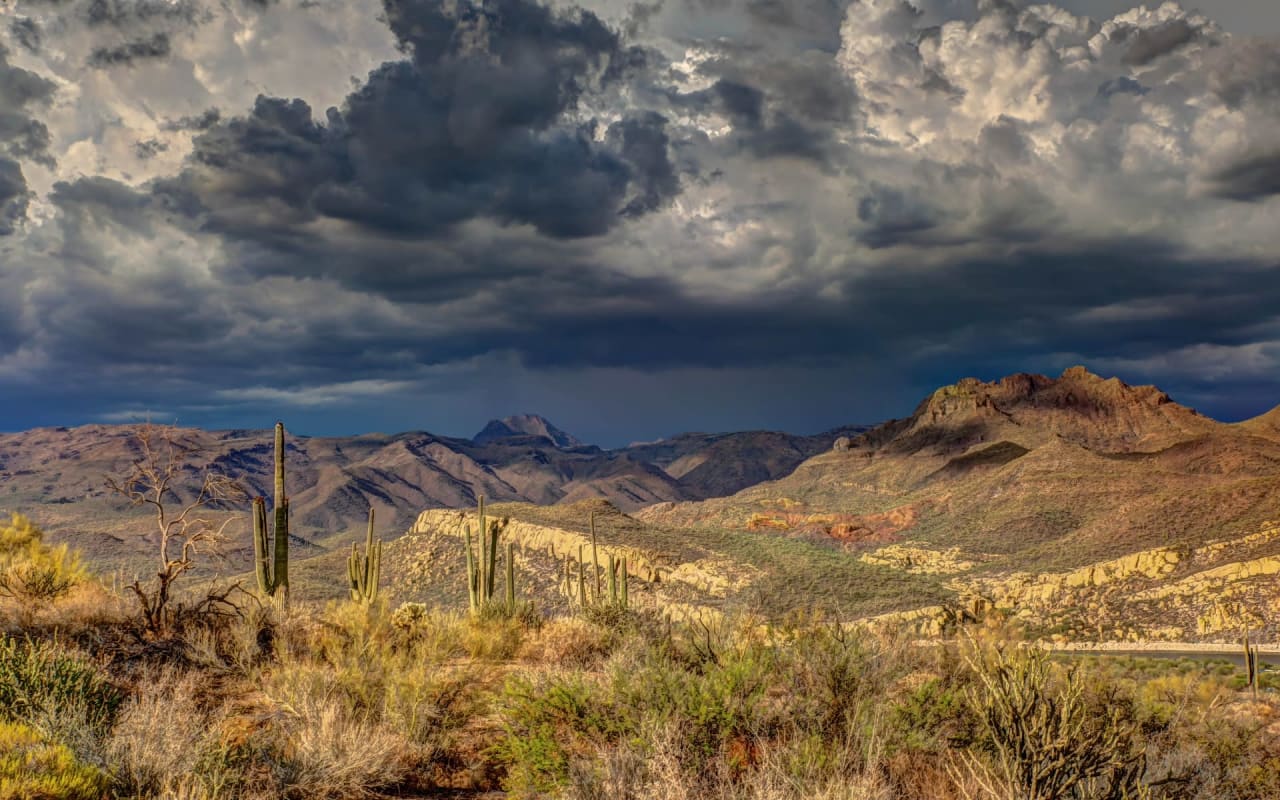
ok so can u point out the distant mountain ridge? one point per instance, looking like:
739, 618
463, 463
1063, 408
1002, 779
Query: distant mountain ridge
56, 475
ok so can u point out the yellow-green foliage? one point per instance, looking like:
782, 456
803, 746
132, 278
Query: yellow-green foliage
44, 678
34, 769
30, 570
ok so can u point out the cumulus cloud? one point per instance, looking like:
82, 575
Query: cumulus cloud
312, 202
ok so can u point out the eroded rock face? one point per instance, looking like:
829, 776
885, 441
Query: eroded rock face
1206, 593
716, 578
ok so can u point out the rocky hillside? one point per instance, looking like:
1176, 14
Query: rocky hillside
1028, 472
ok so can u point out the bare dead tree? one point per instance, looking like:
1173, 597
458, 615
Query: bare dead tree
186, 529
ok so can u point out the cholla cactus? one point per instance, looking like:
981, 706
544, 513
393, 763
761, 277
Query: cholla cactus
1049, 740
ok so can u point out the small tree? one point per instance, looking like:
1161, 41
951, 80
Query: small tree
186, 530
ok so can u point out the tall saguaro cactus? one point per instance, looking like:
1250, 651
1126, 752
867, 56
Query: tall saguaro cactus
273, 572
364, 572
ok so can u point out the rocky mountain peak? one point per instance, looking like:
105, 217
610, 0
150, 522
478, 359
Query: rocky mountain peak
1079, 406
526, 425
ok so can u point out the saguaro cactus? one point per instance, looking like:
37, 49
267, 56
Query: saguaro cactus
616, 577
273, 572
595, 559
365, 572
1251, 663
482, 567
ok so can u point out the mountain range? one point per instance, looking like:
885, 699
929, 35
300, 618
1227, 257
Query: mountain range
58, 475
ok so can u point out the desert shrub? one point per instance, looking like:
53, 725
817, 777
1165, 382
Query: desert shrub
1219, 750
716, 708
360, 672
568, 642
1051, 738
33, 768
493, 638
164, 740
932, 717
609, 616
332, 751
44, 680
549, 723
32, 572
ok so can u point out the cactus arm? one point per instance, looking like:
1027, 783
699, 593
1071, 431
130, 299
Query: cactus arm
369, 579
262, 563
625, 600
582, 578
595, 560
280, 570
613, 580
375, 572
493, 561
354, 574
511, 576
279, 452
473, 583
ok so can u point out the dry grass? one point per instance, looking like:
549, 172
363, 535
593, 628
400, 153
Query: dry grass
165, 735
335, 752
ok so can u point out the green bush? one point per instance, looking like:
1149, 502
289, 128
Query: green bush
550, 722
41, 679
32, 768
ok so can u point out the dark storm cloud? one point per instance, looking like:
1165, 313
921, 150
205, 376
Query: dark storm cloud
13, 196
21, 137
1252, 178
478, 122
502, 189
1248, 72
154, 46
772, 76
1147, 44
26, 32
127, 14
792, 112
894, 217
199, 122
149, 148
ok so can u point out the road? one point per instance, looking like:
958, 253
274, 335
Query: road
1268, 657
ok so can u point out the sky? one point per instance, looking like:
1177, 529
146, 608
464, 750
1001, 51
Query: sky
635, 219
